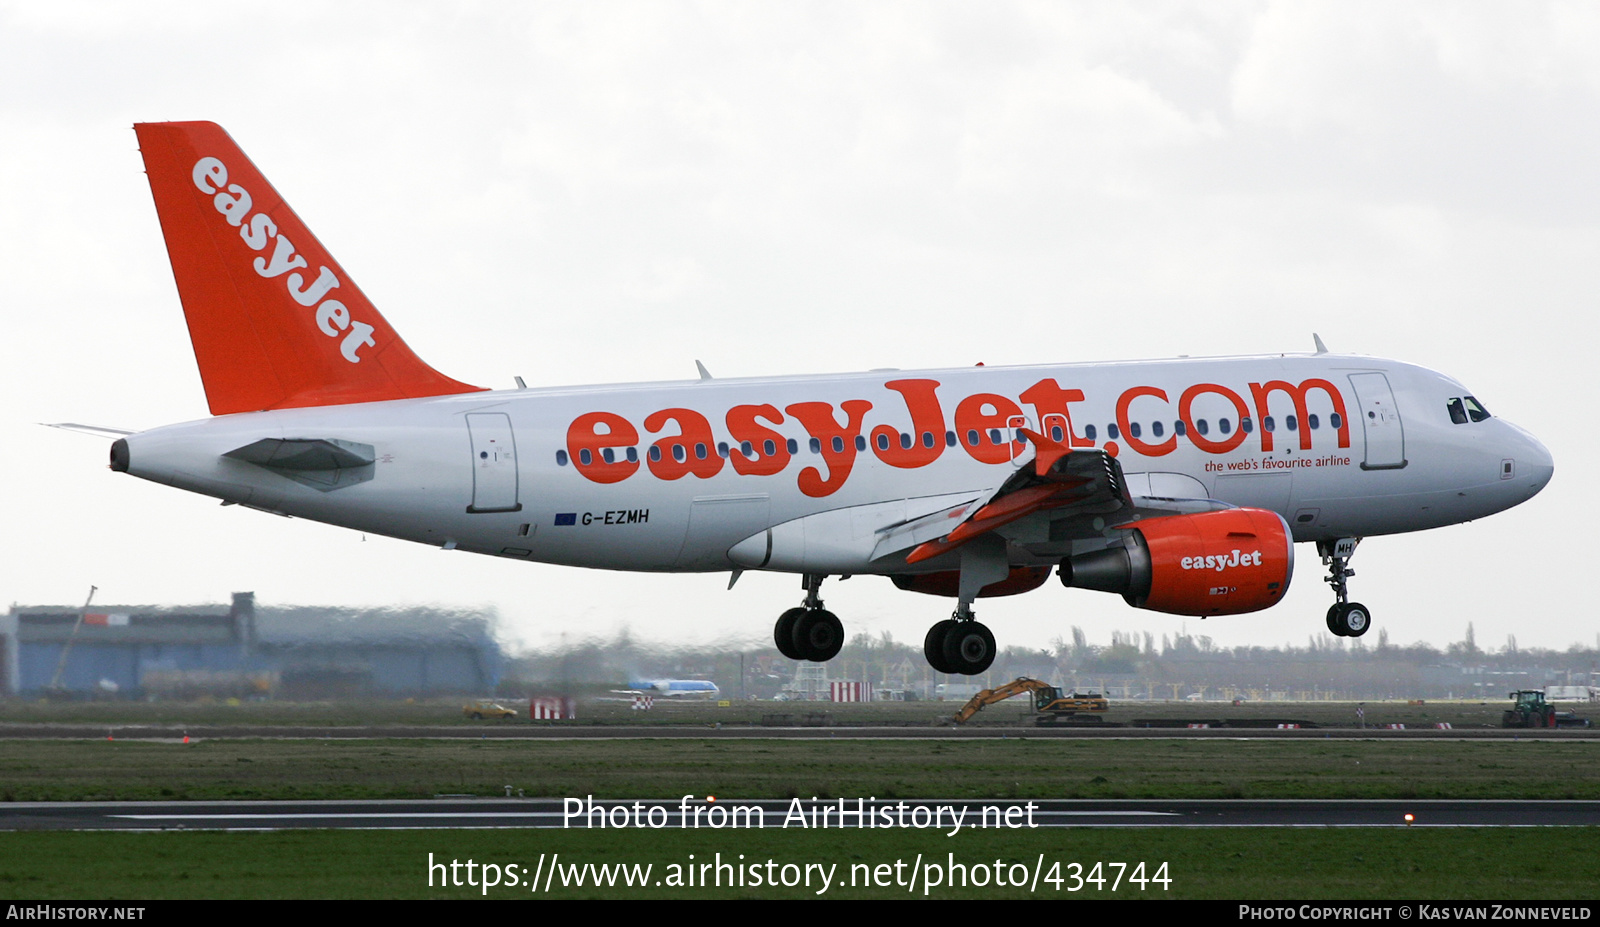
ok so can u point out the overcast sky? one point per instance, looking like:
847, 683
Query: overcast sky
607, 191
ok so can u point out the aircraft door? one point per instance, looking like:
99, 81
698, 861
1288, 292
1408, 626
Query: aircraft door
1380, 420
494, 463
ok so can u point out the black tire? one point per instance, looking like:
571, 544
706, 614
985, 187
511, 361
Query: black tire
933, 645
969, 648
1333, 620
783, 633
818, 635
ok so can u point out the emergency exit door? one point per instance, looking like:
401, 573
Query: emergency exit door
494, 463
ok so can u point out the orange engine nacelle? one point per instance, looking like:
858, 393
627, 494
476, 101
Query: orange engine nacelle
1214, 563
948, 582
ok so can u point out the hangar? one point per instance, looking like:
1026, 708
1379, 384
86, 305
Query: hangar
242, 651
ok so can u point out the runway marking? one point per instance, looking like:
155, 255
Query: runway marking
396, 814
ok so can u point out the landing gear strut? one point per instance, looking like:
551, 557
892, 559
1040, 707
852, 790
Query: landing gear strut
1345, 618
809, 632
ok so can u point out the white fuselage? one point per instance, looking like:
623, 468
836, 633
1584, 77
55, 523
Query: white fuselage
1355, 446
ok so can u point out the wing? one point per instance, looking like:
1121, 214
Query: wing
1058, 478
1061, 495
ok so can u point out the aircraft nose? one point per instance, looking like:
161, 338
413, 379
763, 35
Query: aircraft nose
1532, 466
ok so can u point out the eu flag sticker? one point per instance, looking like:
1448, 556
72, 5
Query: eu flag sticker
566, 518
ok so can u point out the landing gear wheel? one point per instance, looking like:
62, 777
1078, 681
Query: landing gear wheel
783, 633
968, 648
1349, 619
818, 635
933, 645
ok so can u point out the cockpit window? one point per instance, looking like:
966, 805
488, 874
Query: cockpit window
1466, 408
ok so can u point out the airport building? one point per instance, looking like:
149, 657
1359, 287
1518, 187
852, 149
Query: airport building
241, 651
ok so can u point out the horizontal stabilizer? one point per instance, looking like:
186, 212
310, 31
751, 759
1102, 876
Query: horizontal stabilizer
95, 430
305, 454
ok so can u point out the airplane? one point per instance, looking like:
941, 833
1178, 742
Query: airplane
675, 688
1181, 485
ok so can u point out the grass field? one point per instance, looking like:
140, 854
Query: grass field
1304, 864
1245, 863
447, 712
98, 770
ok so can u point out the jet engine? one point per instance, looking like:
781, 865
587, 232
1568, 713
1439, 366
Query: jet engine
1214, 563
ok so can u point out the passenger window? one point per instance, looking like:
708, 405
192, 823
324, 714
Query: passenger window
883, 442
561, 458
816, 445
861, 443
949, 439
1133, 429
747, 449
838, 444
1155, 429
633, 455
1294, 425
608, 456
1088, 432
1334, 421
769, 447
1178, 428
1269, 424
1055, 433
722, 448
1112, 432
792, 445
655, 452
927, 439
679, 453
1247, 426
972, 437
1203, 428
584, 457
994, 436
1223, 426
1312, 421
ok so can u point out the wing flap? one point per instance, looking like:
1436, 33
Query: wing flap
1057, 478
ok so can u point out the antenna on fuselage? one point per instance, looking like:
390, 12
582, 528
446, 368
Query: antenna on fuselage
704, 373
1321, 348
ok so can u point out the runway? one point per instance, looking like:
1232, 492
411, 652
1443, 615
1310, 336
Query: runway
942, 814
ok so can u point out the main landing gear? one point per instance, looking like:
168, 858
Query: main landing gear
959, 645
809, 632
1345, 618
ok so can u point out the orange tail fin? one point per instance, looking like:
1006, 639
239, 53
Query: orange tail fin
276, 322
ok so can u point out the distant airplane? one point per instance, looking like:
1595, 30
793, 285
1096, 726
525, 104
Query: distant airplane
675, 688
1180, 485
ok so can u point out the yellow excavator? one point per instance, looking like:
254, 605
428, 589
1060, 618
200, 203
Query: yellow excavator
1048, 702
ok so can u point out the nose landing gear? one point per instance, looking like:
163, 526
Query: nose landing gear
810, 632
1345, 618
